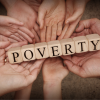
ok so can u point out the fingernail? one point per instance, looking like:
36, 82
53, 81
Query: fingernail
21, 23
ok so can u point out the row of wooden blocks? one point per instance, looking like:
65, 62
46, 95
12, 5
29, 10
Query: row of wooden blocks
54, 48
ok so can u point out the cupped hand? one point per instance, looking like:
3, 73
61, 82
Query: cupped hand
51, 16
10, 28
85, 64
17, 76
74, 12
24, 13
53, 70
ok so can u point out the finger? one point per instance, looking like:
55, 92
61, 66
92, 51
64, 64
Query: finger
29, 39
26, 31
71, 29
63, 32
74, 68
59, 29
29, 65
37, 29
15, 21
8, 20
16, 34
43, 34
85, 24
4, 45
41, 17
48, 34
54, 33
24, 64
13, 45
37, 39
15, 38
37, 64
74, 17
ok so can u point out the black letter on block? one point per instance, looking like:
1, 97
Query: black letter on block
14, 56
55, 50
68, 48
95, 44
81, 45
31, 54
42, 54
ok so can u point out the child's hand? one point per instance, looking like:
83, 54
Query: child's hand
12, 28
53, 70
74, 12
51, 16
53, 73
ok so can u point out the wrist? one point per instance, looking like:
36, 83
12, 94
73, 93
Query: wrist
9, 3
52, 90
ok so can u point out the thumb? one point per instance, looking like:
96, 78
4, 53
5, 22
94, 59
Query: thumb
75, 68
73, 18
41, 17
85, 24
4, 45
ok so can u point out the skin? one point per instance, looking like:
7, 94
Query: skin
74, 12
10, 28
86, 64
12, 75
23, 12
52, 79
49, 20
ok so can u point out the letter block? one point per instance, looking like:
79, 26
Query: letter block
28, 52
14, 55
54, 48
94, 42
68, 46
81, 44
41, 50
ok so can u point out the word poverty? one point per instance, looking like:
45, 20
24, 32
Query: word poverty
54, 48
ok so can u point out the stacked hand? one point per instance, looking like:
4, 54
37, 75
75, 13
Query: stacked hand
18, 76
51, 16
87, 64
74, 12
24, 13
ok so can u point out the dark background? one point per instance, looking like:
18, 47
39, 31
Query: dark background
73, 87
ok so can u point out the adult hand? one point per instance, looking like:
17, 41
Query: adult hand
74, 12
17, 76
10, 28
85, 64
51, 16
24, 13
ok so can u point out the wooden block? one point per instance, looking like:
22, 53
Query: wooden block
41, 50
81, 44
68, 46
94, 42
28, 52
14, 55
54, 48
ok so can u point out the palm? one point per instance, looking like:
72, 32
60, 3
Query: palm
52, 69
88, 62
53, 11
25, 14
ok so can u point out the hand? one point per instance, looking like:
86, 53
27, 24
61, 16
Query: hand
24, 13
51, 16
53, 70
34, 4
53, 73
16, 77
10, 28
85, 64
74, 12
